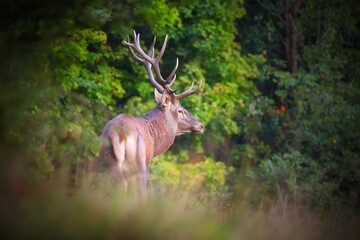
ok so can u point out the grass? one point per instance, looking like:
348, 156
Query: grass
50, 211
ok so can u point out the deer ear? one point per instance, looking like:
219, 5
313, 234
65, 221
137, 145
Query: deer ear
157, 96
166, 99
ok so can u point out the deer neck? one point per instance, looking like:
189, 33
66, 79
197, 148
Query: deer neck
162, 129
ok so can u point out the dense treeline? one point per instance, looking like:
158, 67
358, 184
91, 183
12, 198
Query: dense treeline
280, 99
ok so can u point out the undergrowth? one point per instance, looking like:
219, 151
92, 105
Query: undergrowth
99, 210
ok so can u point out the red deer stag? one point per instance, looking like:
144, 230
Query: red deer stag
129, 143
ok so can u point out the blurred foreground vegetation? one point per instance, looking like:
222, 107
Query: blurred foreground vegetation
280, 157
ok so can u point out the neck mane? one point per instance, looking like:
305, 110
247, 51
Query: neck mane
161, 128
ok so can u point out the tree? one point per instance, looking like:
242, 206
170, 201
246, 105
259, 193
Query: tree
315, 101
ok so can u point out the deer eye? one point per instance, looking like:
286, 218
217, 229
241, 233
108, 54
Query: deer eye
180, 111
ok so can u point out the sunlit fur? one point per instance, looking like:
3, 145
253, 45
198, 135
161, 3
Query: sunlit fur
129, 143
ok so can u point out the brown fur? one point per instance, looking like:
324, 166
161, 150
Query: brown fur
129, 143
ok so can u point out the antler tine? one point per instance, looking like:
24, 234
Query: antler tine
148, 66
158, 87
189, 91
150, 61
152, 48
137, 47
163, 47
129, 45
170, 77
172, 81
135, 36
133, 45
156, 62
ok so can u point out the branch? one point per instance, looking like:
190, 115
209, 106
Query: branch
271, 12
296, 6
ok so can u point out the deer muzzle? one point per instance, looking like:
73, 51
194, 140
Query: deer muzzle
198, 128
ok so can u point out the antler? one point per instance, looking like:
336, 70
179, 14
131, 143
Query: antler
189, 91
149, 61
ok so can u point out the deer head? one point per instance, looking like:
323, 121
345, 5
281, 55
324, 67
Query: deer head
170, 105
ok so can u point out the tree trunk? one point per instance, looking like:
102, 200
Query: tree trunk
290, 35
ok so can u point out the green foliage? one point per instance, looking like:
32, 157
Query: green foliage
291, 175
206, 177
88, 66
159, 15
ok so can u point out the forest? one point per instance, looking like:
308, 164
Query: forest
280, 101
